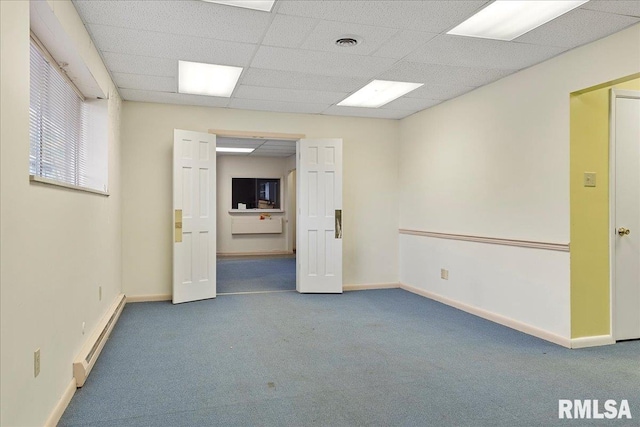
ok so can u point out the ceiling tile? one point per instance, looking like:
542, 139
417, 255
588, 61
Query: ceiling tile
369, 38
289, 149
194, 18
621, 7
291, 63
279, 149
413, 104
445, 75
428, 16
172, 98
577, 28
134, 64
295, 80
430, 91
266, 153
377, 113
145, 82
482, 53
403, 43
284, 107
259, 153
288, 95
162, 45
280, 143
314, 62
238, 142
289, 31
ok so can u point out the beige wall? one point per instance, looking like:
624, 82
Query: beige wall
229, 167
495, 163
57, 245
370, 186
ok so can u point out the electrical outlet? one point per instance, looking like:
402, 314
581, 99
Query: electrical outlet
99, 293
444, 274
36, 363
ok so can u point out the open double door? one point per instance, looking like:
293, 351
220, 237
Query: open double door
319, 224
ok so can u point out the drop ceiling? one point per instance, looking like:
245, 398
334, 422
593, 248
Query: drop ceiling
262, 147
291, 63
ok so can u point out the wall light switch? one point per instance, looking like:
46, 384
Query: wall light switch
444, 274
589, 179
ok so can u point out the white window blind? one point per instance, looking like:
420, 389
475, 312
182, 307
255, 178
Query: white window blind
59, 129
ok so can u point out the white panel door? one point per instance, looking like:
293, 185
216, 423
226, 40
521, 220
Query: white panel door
194, 210
319, 233
626, 284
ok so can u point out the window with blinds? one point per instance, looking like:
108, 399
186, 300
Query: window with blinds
59, 128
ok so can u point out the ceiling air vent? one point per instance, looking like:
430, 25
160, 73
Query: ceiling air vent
346, 42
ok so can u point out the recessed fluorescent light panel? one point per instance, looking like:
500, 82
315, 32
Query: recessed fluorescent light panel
263, 5
509, 19
197, 78
379, 92
234, 150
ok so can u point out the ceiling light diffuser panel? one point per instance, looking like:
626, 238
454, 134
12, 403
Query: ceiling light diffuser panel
378, 93
509, 19
197, 78
263, 5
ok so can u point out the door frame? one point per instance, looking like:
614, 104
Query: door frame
614, 93
292, 230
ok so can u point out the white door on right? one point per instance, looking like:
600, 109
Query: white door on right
626, 284
319, 234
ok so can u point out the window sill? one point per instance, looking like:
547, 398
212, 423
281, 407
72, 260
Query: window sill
46, 181
242, 211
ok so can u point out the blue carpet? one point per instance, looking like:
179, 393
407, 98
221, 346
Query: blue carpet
251, 274
380, 357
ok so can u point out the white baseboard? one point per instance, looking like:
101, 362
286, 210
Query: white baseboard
364, 287
62, 404
497, 318
593, 341
90, 351
149, 298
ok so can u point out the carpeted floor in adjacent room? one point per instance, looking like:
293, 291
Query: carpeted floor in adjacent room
256, 274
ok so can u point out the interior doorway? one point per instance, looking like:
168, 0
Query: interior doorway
256, 274
256, 206
625, 213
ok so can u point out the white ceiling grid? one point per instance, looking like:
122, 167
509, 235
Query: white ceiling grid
262, 147
290, 60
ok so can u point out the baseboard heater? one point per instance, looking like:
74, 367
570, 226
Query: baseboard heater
91, 350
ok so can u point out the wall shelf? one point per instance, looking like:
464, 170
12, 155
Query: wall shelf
256, 226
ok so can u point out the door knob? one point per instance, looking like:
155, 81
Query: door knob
623, 231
